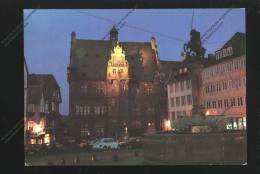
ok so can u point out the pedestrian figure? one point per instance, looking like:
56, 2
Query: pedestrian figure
76, 160
136, 153
115, 157
63, 161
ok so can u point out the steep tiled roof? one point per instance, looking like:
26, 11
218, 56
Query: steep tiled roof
237, 42
91, 56
46, 81
34, 94
167, 67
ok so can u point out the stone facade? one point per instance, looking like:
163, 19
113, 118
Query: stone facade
115, 88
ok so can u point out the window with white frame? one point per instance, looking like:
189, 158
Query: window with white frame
31, 108
53, 106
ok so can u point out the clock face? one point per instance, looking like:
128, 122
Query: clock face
81, 52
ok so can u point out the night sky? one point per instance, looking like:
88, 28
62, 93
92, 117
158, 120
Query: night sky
48, 32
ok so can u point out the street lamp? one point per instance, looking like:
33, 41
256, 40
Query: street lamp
126, 130
167, 125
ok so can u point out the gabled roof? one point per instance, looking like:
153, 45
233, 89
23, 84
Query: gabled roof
34, 94
167, 67
91, 56
238, 39
238, 44
47, 82
43, 79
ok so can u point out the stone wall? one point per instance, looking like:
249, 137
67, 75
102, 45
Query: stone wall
194, 149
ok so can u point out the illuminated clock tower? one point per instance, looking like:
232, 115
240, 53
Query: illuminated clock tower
117, 90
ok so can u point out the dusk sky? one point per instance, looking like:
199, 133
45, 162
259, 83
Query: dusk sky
48, 32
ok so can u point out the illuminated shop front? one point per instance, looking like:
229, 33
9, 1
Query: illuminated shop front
236, 123
37, 133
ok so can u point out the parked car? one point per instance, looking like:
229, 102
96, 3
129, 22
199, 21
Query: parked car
106, 143
131, 143
92, 142
134, 142
83, 144
69, 141
58, 145
123, 144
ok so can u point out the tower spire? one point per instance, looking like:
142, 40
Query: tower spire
192, 20
114, 35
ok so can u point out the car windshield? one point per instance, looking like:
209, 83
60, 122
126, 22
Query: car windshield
107, 140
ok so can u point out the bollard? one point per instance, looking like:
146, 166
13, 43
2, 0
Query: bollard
76, 160
93, 157
63, 162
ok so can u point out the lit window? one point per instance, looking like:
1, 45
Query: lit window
84, 88
102, 110
85, 110
53, 106
30, 125
88, 110
30, 108
46, 107
120, 71
244, 122
77, 109
96, 110
81, 110
188, 84
235, 126
149, 90
84, 130
33, 141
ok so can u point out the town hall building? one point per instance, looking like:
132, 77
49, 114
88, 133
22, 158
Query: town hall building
115, 87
